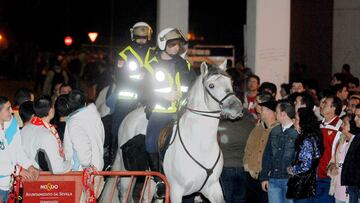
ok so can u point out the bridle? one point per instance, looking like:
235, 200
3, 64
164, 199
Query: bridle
220, 102
208, 171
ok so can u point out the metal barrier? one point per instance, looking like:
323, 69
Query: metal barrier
69, 187
132, 174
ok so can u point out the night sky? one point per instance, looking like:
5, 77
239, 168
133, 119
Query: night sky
45, 23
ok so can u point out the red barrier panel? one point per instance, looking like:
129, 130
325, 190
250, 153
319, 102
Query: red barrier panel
68, 187
53, 188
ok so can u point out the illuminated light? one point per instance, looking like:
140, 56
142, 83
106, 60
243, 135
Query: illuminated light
68, 41
164, 90
184, 88
133, 66
160, 76
158, 106
1, 37
93, 36
136, 77
127, 95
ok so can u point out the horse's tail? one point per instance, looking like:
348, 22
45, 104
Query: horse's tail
106, 194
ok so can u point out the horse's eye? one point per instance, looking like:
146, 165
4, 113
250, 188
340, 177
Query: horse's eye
211, 85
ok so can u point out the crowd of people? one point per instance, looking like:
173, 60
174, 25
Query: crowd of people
301, 145
62, 130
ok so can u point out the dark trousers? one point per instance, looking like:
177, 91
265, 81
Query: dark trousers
122, 109
233, 184
354, 194
108, 155
157, 121
254, 193
322, 191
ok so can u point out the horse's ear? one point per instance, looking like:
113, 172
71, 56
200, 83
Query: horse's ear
203, 68
223, 65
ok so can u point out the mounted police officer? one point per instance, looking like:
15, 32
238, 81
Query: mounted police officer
172, 78
132, 67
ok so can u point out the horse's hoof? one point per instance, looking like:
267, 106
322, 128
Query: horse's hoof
160, 190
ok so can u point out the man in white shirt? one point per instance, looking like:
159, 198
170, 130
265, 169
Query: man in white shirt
84, 138
41, 136
11, 151
84, 134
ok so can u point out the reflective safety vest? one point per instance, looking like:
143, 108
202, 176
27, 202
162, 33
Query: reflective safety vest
133, 69
166, 83
142, 63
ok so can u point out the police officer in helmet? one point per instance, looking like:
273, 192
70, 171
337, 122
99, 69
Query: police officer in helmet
172, 79
132, 67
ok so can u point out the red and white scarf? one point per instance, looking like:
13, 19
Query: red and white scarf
39, 122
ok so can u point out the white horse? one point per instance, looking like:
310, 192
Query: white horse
193, 162
184, 164
134, 123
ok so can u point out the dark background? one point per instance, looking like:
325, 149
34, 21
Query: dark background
44, 24
33, 25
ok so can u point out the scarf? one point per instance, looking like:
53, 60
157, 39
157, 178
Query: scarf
39, 122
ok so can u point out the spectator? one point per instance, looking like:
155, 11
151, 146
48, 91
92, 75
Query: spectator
255, 146
346, 71
330, 128
350, 174
61, 112
354, 85
42, 136
279, 152
84, 126
284, 91
297, 86
308, 146
338, 78
335, 164
350, 111
22, 95
12, 155
84, 137
55, 76
268, 87
75, 70
65, 89
341, 91
232, 140
26, 111
303, 100
253, 83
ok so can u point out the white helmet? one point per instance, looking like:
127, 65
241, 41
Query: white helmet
141, 29
168, 34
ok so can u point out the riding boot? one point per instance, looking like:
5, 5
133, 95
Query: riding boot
154, 164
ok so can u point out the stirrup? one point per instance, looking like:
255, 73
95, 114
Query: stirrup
160, 190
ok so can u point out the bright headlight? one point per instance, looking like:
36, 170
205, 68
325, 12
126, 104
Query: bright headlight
133, 66
160, 76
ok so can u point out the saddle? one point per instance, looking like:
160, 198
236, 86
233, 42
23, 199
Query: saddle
164, 139
134, 154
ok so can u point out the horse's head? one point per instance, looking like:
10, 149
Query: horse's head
219, 94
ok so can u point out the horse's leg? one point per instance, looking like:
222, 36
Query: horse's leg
149, 192
214, 193
123, 189
124, 182
110, 182
176, 193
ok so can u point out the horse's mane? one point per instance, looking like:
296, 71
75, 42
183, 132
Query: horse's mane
214, 70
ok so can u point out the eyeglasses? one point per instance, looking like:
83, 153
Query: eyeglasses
174, 43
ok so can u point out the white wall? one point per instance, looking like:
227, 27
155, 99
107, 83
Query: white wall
346, 35
268, 54
173, 13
